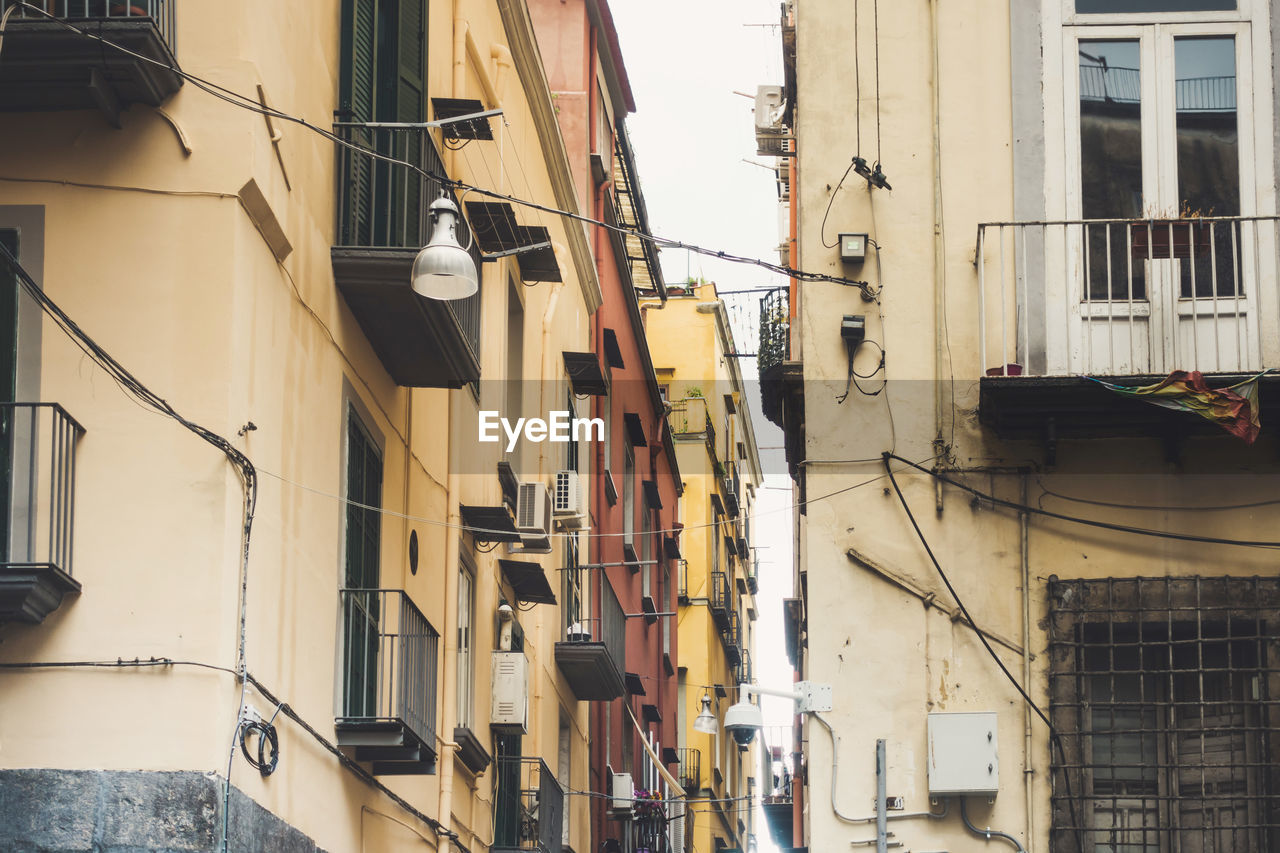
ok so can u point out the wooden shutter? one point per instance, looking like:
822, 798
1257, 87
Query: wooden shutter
411, 107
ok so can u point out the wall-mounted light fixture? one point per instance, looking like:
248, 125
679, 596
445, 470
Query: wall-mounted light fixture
443, 269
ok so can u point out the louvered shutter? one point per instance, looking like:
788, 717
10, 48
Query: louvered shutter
359, 51
411, 107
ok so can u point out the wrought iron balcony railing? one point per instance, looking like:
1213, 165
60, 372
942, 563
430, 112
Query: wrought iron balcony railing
690, 768
528, 806
721, 598
390, 658
37, 509
775, 329
732, 487
382, 222
592, 655
743, 670
731, 634
157, 12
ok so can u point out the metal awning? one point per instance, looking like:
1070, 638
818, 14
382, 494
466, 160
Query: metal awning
612, 352
528, 581
585, 375
490, 523
635, 429
476, 128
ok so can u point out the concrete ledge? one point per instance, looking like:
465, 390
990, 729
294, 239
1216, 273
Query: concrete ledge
61, 811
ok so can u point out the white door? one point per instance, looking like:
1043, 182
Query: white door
1160, 153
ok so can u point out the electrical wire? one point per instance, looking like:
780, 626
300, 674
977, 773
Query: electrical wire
135, 389
118, 663
1047, 492
988, 834
1089, 522
252, 105
822, 232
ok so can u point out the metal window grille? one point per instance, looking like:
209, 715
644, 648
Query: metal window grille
1165, 695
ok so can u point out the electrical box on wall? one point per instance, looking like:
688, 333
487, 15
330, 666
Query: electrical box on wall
853, 248
962, 755
509, 711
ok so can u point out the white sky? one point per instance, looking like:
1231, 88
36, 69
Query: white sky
691, 133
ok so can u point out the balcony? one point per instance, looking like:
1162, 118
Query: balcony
593, 655
731, 634
1128, 301
682, 581
38, 455
690, 768
390, 657
528, 806
382, 223
721, 599
743, 669
781, 378
732, 487
124, 58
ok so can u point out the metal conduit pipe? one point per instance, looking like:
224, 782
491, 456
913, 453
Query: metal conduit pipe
988, 833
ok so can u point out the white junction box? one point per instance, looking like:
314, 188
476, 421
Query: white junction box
963, 756
510, 693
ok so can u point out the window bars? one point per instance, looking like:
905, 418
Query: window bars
1165, 693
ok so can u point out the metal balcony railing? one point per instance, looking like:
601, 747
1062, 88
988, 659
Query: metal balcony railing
384, 205
743, 670
690, 769
593, 654
731, 635
390, 659
732, 487
650, 830
1121, 297
721, 597
159, 12
528, 806
37, 515
775, 329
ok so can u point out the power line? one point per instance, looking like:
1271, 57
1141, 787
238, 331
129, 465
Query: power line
252, 105
1089, 522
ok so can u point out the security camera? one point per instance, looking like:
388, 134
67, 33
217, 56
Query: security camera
743, 720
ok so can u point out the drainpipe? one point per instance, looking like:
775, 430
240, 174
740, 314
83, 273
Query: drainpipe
939, 254
449, 699
1028, 772
548, 359
460, 29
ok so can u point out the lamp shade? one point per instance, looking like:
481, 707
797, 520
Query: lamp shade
443, 269
706, 721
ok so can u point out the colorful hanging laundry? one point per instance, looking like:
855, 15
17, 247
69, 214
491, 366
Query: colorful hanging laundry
1235, 409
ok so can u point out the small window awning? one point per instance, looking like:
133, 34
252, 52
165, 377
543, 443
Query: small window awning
670, 756
671, 547
651, 495
497, 231
635, 429
635, 684
528, 581
612, 352
650, 713
585, 375
717, 503
489, 523
476, 128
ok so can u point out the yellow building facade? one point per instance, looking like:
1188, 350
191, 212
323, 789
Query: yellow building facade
253, 274
710, 421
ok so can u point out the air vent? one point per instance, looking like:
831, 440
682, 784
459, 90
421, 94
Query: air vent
533, 510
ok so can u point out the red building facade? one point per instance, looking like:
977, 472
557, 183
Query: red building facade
635, 483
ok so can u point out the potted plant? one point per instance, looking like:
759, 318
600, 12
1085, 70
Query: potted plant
1183, 236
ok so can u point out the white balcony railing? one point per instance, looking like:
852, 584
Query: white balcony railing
1119, 297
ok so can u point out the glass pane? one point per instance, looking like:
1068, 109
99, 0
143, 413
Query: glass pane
1111, 162
1099, 7
1208, 148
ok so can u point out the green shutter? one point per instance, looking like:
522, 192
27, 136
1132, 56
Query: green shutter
362, 612
411, 107
356, 103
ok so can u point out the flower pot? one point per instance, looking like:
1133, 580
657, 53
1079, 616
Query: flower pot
1168, 238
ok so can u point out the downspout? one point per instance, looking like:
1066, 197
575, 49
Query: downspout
939, 254
1028, 772
460, 31
449, 700
548, 362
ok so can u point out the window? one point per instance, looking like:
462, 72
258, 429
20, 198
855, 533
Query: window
1164, 694
466, 642
382, 79
1158, 100
574, 609
571, 446
363, 551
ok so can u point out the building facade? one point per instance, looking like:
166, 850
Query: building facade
636, 487
1047, 211
710, 420
314, 603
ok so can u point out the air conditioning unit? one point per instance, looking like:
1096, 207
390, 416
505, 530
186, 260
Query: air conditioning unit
509, 711
622, 793
768, 108
569, 502
533, 511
